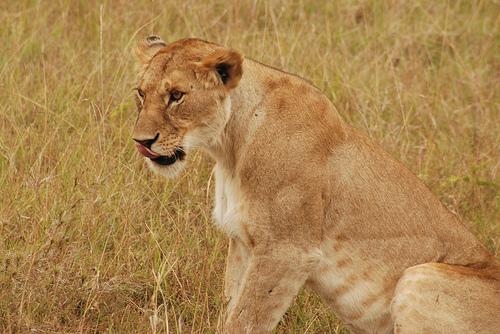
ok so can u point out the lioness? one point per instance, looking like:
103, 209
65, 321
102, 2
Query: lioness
307, 199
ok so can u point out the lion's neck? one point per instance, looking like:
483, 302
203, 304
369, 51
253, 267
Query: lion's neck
242, 104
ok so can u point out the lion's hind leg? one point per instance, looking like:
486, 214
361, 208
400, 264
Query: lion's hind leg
441, 298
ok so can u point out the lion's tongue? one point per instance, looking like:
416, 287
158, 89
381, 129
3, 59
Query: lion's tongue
147, 152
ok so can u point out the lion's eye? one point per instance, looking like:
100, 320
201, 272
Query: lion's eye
139, 99
175, 96
140, 94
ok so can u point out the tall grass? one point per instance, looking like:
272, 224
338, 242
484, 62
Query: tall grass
90, 241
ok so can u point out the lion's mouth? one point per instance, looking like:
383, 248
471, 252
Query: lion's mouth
164, 160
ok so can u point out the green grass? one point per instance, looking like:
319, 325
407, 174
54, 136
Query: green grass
90, 241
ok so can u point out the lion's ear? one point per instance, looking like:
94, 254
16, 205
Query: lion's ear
148, 47
227, 64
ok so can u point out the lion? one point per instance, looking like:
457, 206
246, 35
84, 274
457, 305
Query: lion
307, 200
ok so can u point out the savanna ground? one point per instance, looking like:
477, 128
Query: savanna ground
90, 241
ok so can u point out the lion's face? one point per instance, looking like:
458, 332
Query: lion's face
182, 99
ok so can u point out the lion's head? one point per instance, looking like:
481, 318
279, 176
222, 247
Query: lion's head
182, 98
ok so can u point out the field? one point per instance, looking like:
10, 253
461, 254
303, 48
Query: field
91, 241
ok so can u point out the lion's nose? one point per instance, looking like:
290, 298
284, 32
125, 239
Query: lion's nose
147, 142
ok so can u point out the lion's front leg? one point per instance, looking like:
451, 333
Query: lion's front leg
272, 279
236, 264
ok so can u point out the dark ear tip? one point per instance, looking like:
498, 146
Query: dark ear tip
223, 71
154, 39
227, 64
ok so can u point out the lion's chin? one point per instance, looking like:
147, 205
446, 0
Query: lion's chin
169, 171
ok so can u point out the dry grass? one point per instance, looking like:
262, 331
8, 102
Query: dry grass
90, 241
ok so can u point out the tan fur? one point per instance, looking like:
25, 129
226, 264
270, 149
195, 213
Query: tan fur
307, 199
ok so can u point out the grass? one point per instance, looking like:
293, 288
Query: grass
90, 241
